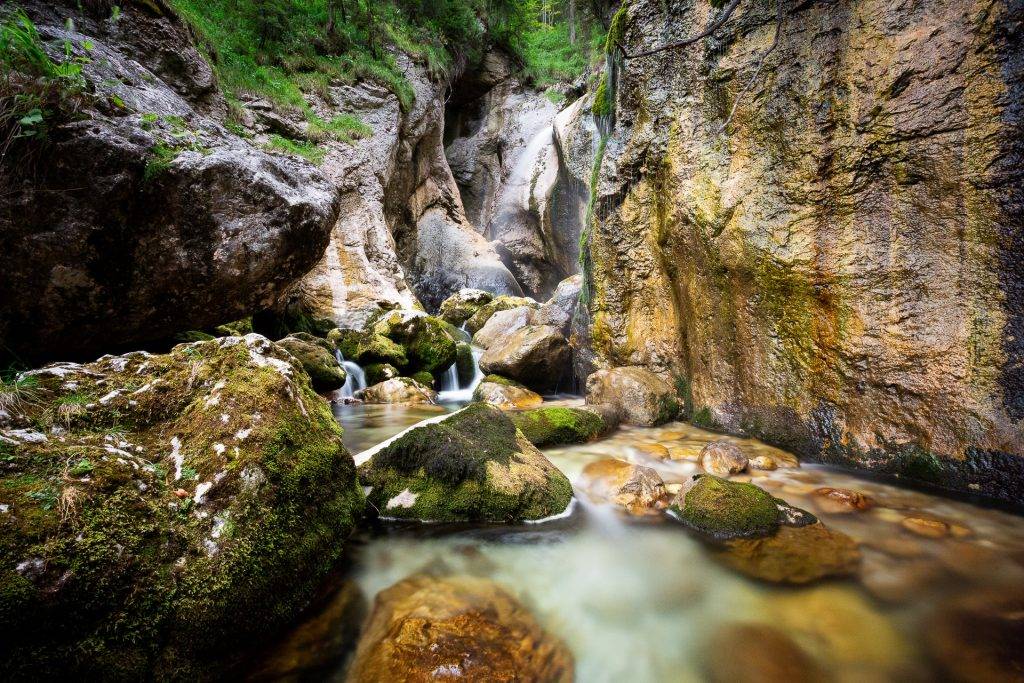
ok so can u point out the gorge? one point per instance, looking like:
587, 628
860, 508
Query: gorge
511, 340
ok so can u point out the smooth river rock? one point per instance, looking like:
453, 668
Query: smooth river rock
641, 397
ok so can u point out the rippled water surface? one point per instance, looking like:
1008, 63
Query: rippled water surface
640, 599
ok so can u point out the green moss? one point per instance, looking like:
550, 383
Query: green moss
365, 348
378, 372
429, 342
552, 426
724, 509
703, 418
604, 103
464, 363
424, 378
616, 30
192, 336
504, 381
500, 303
238, 328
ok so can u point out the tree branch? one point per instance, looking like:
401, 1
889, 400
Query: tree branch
760, 64
715, 25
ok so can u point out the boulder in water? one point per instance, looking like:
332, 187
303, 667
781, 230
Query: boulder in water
317, 359
641, 397
405, 390
501, 324
499, 303
427, 628
148, 499
465, 364
505, 393
722, 509
558, 425
380, 372
367, 347
458, 308
536, 355
636, 488
794, 555
472, 465
429, 342
722, 458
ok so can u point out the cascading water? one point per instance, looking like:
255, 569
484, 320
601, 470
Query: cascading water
451, 379
355, 377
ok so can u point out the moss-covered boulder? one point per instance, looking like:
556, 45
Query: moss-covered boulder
316, 357
558, 425
380, 372
367, 348
505, 393
723, 509
429, 342
424, 378
500, 303
238, 328
459, 307
160, 513
472, 465
464, 363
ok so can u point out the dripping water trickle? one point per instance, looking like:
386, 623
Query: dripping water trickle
355, 377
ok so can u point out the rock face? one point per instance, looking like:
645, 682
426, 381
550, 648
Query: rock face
473, 465
150, 511
425, 628
502, 323
104, 246
641, 397
402, 232
504, 155
536, 355
835, 266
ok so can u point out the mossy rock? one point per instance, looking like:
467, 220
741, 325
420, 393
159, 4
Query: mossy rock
106, 573
238, 328
464, 363
192, 336
557, 425
501, 303
366, 348
317, 360
276, 325
722, 509
459, 307
473, 465
424, 378
380, 372
429, 342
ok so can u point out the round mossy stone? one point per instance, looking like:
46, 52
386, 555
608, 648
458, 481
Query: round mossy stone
552, 426
725, 509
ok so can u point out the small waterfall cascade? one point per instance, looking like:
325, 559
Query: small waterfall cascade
355, 377
451, 379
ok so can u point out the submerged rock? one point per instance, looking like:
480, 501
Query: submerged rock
505, 393
536, 355
153, 509
722, 509
426, 628
758, 653
317, 359
977, 637
642, 397
840, 501
459, 307
722, 458
472, 465
558, 425
636, 488
398, 390
794, 555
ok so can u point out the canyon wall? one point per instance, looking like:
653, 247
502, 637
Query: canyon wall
823, 246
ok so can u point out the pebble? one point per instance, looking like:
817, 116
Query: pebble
840, 501
925, 526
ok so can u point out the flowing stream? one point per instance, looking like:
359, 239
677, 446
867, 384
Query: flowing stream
639, 598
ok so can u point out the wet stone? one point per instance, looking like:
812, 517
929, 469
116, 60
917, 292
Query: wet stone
840, 501
794, 555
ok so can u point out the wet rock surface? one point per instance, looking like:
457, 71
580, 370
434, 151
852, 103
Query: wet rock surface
149, 512
558, 425
641, 397
722, 458
794, 555
317, 359
766, 655
424, 628
636, 488
472, 465
505, 393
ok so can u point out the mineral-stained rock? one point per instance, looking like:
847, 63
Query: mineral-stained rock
472, 465
794, 554
425, 628
536, 355
634, 487
316, 357
758, 653
722, 458
796, 255
558, 425
840, 501
642, 397
501, 324
505, 393
151, 510
398, 390
458, 308
106, 244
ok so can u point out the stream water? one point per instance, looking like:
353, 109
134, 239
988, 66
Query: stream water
639, 599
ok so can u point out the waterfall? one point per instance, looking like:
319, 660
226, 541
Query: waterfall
451, 379
355, 377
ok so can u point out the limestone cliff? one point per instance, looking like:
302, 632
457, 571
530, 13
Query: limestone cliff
839, 266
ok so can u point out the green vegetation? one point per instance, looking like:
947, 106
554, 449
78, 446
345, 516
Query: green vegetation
345, 127
724, 509
36, 92
307, 150
553, 426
